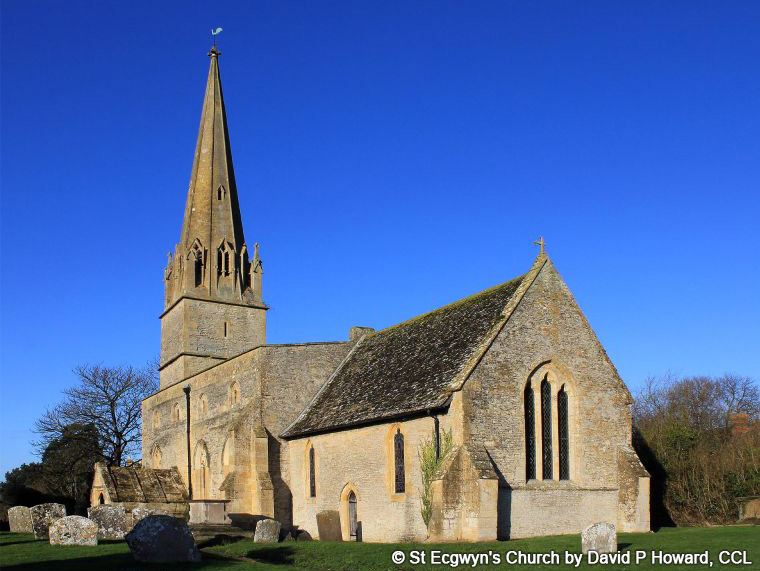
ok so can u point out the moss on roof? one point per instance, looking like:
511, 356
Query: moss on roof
407, 368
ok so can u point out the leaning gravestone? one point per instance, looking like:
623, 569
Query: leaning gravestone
111, 520
20, 519
599, 537
267, 531
162, 539
73, 530
43, 515
328, 526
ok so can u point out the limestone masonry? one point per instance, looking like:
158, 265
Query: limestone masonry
508, 392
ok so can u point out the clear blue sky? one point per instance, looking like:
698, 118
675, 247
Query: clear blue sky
391, 157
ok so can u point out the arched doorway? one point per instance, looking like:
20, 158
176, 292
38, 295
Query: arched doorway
351, 525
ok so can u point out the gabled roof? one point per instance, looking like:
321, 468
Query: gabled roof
137, 484
412, 367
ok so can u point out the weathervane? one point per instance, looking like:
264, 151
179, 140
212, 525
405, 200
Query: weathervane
540, 242
214, 33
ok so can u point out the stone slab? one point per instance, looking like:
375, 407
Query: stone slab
599, 537
73, 530
111, 520
43, 515
20, 519
328, 526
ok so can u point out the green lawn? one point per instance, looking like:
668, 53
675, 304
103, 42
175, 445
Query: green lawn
20, 552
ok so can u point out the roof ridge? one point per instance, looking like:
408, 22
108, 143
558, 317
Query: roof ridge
449, 305
509, 308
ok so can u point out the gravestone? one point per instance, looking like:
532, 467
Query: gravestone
328, 526
303, 535
43, 515
141, 512
162, 539
111, 520
599, 537
20, 519
267, 531
73, 530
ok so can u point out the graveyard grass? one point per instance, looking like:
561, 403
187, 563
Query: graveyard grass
20, 552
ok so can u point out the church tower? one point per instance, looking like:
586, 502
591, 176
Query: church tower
213, 304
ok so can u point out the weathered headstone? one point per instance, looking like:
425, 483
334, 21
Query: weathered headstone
111, 520
73, 530
328, 526
140, 512
599, 537
43, 515
267, 531
20, 519
162, 539
303, 535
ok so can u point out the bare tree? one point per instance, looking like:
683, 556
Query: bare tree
108, 398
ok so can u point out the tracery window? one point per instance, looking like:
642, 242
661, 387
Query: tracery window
546, 429
530, 434
398, 462
550, 405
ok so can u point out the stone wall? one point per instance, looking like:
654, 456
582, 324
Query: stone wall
548, 335
361, 460
226, 403
195, 334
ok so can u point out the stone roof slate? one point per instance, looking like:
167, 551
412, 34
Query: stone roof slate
405, 369
138, 484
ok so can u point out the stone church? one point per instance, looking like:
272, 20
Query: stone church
508, 392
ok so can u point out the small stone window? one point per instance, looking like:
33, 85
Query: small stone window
220, 193
547, 459
233, 396
398, 463
564, 435
530, 434
156, 420
203, 405
312, 474
175, 412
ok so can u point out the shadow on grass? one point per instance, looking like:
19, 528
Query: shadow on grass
4, 543
624, 546
275, 555
118, 562
220, 539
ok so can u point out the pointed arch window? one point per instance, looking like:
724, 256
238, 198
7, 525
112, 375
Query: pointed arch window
546, 429
233, 396
564, 435
220, 192
223, 258
398, 462
530, 434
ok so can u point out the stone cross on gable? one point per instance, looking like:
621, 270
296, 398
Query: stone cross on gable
540, 242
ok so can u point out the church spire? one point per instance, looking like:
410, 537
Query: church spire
211, 259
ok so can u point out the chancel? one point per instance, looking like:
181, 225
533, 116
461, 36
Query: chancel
509, 391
